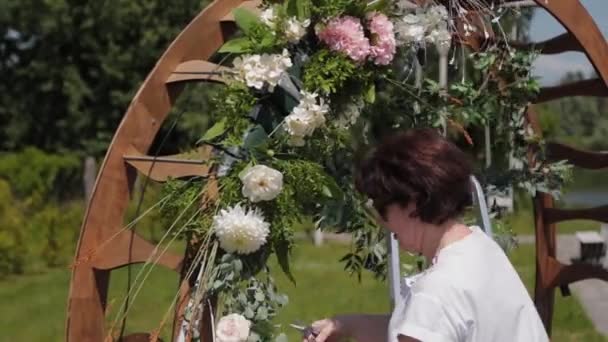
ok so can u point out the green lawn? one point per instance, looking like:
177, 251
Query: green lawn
33, 307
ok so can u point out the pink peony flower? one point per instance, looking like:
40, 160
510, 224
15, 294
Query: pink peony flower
345, 34
383, 38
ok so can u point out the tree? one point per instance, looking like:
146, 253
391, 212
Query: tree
70, 67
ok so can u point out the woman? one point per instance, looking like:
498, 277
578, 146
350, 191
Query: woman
419, 184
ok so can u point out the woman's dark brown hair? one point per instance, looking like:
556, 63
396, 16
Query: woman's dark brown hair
419, 166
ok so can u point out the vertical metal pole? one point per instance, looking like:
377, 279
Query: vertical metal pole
443, 50
480, 201
394, 272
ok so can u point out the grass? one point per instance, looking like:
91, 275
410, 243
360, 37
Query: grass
34, 306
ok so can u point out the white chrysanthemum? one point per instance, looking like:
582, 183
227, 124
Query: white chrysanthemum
261, 183
269, 17
232, 328
240, 230
295, 29
258, 70
307, 116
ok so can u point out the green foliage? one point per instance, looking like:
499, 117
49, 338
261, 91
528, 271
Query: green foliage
34, 236
13, 236
232, 105
334, 8
32, 172
328, 72
69, 69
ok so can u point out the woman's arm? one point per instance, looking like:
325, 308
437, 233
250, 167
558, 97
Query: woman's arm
360, 327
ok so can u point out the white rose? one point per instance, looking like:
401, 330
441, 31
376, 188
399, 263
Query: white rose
232, 328
261, 183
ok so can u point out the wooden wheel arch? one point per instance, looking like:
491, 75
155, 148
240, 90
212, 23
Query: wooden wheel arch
103, 244
190, 51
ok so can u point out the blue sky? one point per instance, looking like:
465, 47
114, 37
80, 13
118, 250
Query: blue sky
551, 68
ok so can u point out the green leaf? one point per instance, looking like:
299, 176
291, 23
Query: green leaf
255, 138
282, 251
304, 9
299, 9
291, 8
215, 131
236, 45
245, 20
370, 94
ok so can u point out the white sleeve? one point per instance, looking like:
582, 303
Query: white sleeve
426, 319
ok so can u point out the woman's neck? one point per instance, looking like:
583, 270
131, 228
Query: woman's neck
443, 235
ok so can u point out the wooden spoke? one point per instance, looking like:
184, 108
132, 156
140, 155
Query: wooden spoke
554, 215
592, 87
569, 274
562, 43
251, 5
579, 158
198, 70
160, 169
112, 255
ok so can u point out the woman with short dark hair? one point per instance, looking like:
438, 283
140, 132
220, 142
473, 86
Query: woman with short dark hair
419, 185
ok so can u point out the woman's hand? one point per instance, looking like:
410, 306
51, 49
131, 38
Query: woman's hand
329, 329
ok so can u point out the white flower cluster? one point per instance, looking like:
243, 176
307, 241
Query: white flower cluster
240, 230
307, 116
293, 28
350, 114
261, 183
232, 328
430, 26
259, 70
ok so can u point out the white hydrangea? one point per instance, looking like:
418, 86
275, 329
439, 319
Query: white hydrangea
232, 328
430, 26
240, 230
269, 17
436, 16
307, 116
441, 38
261, 183
295, 29
259, 70
410, 29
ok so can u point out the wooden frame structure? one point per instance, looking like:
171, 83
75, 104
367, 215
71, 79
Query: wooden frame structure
186, 60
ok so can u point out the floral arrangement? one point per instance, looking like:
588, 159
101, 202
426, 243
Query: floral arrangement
312, 83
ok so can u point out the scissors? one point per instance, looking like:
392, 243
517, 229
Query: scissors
305, 330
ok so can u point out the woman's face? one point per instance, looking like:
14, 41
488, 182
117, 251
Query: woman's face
408, 230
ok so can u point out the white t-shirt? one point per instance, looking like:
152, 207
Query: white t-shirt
471, 293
